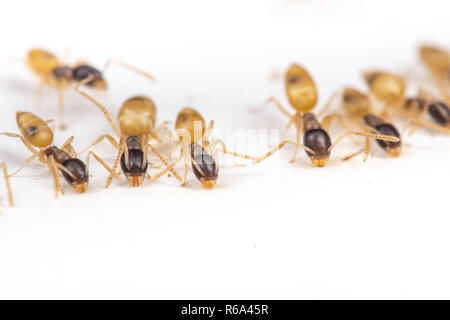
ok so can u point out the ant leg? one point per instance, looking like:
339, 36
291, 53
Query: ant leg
281, 145
164, 161
353, 155
116, 163
61, 125
123, 148
129, 67
432, 126
25, 142
327, 120
364, 134
98, 104
155, 136
62, 168
279, 106
113, 142
8, 187
366, 147
298, 137
164, 171
419, 119
366, 150
52, 166
25, 164
67, 146
288, 126
226, 151
327, 104
162, 126
96, 157
173, 137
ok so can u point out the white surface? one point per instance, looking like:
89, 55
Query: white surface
349, 230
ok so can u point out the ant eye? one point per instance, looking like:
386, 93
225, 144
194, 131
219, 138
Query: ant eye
294, 79
32, 130
349, 98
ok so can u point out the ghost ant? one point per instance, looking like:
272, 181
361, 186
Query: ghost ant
438, 110
192, 137
136, 119
37, 136
8, 187
57, 74
357, 106
302, 95
389, 89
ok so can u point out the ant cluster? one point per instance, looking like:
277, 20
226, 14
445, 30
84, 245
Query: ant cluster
137, 134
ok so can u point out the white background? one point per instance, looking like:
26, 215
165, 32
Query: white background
378, 229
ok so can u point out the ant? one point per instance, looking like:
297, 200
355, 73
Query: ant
37, 136
437, 110
136, 119
389, 89
357, 106
56, 74
8, 187
192, 137
302, 95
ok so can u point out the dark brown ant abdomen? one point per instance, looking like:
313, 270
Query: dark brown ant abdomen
385, 129
84, 71
315, 137
438, 110
319, 141
207, 170
136, 165
440, 113
77, 168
